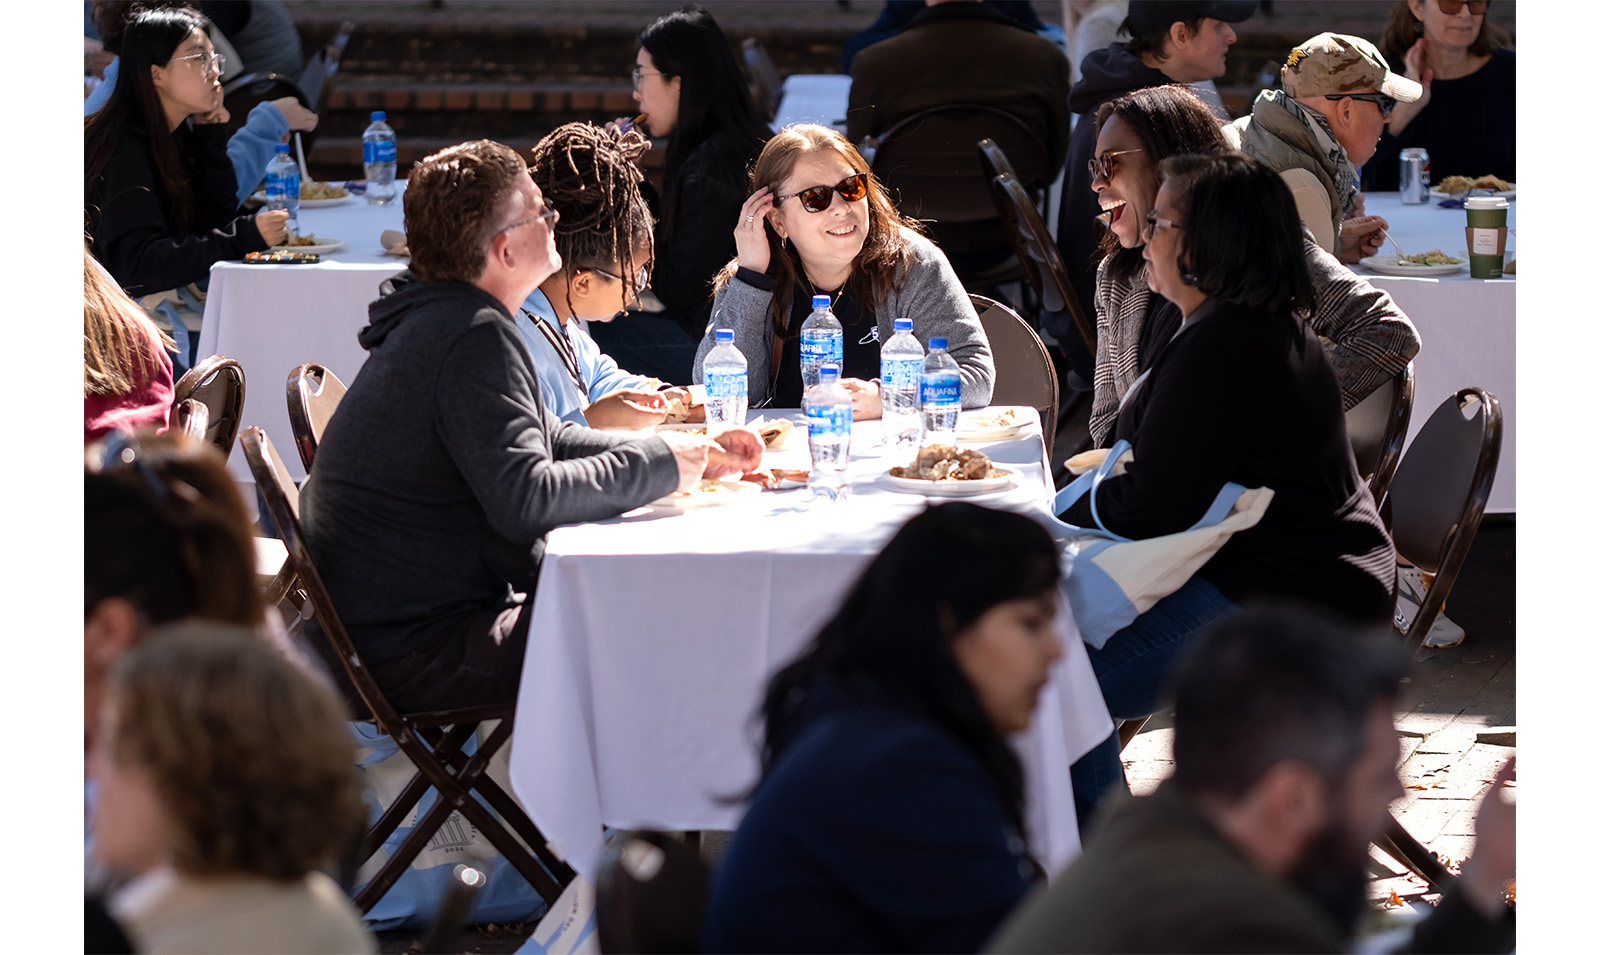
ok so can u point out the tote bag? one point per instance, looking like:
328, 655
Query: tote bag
1109, 580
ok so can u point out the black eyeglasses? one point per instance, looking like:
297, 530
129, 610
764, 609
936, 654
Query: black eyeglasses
1104, 166
1453, 7
1384, 100
819, 198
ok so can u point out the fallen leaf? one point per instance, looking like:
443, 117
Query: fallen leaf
1394, 901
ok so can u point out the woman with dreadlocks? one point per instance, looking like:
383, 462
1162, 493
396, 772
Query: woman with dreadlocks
604, 238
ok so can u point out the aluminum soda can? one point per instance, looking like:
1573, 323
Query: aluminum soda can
1414, 176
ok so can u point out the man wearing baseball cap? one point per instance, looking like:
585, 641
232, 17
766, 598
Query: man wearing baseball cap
1169, 41
1321, 127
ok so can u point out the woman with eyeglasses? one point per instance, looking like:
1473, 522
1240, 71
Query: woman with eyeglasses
159, 190
818, 223
591, 177
1242, 393
1364, 334
1467, 116
691, 91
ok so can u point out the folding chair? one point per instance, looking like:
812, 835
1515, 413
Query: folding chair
1023, 371
218, 383
190, 417
766, 86
650, 894
1038, 253
314, 393
1377, 430
432, 741
315, 80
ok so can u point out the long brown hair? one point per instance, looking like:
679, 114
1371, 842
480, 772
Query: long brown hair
113, 324
878, 267
1404, 28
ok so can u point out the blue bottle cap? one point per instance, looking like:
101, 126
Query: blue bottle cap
902, 324
820, 301
282, 148
724, 336
828, 371
938, 343
379, 116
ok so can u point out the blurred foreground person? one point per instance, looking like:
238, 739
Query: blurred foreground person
1284, 754
127, 373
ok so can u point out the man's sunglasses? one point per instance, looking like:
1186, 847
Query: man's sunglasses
1453, 7
819, 198
1385, 102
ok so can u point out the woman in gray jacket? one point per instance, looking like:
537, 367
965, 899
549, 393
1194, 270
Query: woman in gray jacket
818, 223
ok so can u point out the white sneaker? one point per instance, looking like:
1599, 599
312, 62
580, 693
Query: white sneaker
1411, 586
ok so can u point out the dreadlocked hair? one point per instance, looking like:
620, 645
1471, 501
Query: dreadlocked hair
591, 175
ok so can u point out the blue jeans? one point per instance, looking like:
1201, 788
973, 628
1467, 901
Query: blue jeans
1132, 670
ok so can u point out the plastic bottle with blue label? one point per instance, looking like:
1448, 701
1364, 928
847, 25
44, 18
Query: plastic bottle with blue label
821, 339
940, 394
283, 185
899, 374
378, 158
828, 416
727, 383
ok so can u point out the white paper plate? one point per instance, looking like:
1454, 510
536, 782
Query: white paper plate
980, 426
260, 196
326, 246
951, 488
1475, 193
707, 494
1390, 265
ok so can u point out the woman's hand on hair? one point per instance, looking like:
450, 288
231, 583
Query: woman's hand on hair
750, 232
299, 117
866, 403
273, 224
1416, 64
627, 410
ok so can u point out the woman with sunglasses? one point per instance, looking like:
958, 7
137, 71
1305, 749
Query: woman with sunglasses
818, 223
158, 187
603, 236
1365, 336
1244, 394
1467, 116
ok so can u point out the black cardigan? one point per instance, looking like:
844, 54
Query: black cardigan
1246, 397
134, 236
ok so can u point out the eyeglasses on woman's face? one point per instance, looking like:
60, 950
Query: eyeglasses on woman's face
210, 63
819, 198
1385, 101
1453, 7
1154, 224
1104, 166
640, 74
641, 279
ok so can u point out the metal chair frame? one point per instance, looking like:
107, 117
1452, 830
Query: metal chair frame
1015, 384
1038, 252
313, 393
218, 383
1377, 430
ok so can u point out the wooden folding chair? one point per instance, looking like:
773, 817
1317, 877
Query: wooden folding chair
1377, 430
433, 741
314, 393
1040, 256
218, 383
1023, 371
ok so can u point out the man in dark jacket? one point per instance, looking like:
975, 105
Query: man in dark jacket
1171, 41
435, 484
1284, 754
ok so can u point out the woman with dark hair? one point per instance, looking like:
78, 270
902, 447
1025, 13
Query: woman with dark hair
889, 815
1243, 394
158, 188
690, 89
1365, 335
819, 223
1467, 116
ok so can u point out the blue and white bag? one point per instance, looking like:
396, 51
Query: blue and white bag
1109, 580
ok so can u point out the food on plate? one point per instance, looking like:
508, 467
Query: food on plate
1491, 182
281, 255
1430, 257
322, 190
690, 410
1455, 185
291, 241
942, 462
985, 422
705, 487
775, 477
773, 433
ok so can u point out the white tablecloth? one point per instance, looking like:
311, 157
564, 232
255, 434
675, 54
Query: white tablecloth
653, 638
271, 318
814, 98
1468, 326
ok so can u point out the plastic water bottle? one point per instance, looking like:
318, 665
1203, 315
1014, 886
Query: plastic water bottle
940, 394
828, 415
821, 339
899, 372
378, 157
727, 391
283, 185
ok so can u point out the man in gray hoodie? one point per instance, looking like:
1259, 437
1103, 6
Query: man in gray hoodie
435, 483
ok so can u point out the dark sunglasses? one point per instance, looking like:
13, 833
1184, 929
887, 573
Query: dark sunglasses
1385, 101
1104, 166
1453, 7
819, 198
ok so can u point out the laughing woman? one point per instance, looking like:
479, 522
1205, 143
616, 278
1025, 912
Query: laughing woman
819, 223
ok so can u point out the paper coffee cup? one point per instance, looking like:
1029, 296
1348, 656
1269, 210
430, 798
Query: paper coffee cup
1486, 236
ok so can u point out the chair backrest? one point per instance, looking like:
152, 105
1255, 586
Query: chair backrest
766, 86
314, 80
650, 894
930, 163
1377, 430
1023, 371
190, 417
218, 383
1442, 485
1038, 252
314, 393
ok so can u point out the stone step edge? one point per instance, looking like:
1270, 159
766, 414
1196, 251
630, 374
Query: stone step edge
346, 150
435, 97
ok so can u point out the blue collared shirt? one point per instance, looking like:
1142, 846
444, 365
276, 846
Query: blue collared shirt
560, 393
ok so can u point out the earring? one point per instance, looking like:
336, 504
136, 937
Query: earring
1189, 278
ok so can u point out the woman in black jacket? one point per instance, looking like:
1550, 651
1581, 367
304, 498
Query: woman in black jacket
690, 90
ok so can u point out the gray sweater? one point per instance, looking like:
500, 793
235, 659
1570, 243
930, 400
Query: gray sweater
926, 291
440, 474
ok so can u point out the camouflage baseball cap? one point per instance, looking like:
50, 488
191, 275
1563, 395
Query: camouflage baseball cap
1334, 63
